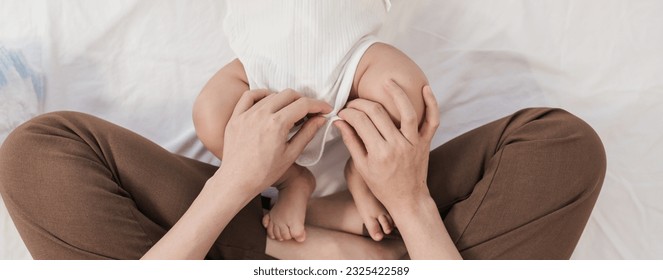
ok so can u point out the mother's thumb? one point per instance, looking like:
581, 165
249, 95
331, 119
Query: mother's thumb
304, 136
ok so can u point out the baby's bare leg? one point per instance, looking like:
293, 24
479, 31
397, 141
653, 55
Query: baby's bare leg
329, 244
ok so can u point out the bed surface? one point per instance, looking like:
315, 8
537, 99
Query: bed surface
129, 61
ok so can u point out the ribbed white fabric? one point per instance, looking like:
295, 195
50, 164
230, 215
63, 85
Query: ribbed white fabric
311, 46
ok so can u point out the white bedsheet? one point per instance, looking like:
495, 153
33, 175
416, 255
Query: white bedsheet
140, 64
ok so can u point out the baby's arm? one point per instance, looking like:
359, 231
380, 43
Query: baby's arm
380, 65
215, 104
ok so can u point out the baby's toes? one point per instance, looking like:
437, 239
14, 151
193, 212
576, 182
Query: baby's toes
277, 232
374, 229
265, 220
386, 223
298, 232
285, 232
270, 231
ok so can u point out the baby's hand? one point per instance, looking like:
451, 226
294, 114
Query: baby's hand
377, 220
286, 219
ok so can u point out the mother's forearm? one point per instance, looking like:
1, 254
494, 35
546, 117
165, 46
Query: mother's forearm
194, 234
422, 230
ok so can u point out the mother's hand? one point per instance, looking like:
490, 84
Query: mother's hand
257, 150
392, 161
394, 164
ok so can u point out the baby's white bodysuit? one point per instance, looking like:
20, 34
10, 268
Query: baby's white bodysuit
311, 46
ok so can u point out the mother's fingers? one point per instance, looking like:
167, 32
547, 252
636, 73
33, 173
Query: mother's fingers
301, 107
363, 126
303, 136
432, 118
378, 116
352, 141
282, 99
409, 124
248, 99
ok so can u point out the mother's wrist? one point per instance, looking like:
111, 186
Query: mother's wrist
233, 185
407, 206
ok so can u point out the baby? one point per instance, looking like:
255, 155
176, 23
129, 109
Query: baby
324, 49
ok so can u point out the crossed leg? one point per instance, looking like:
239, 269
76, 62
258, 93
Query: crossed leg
78, 187
521, 187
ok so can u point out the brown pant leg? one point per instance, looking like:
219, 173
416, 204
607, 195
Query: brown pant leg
521, 187
78, 187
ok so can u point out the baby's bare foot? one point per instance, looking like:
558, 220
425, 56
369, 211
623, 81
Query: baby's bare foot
376, 219
286, 219
285, 222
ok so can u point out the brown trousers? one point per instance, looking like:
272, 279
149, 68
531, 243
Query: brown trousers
78, 187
